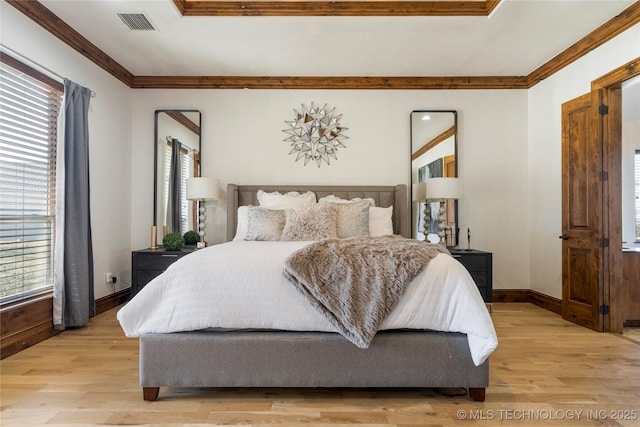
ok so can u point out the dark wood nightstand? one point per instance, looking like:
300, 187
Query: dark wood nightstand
146, 264
480, 266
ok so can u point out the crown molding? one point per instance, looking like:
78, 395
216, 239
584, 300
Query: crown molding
56, 26
613, 27
52, 23
322, 82
335, 8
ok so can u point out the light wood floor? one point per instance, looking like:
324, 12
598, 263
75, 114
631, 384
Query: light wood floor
632, 333
545, 372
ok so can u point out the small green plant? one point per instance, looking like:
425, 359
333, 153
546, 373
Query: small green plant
173, 242
191, 237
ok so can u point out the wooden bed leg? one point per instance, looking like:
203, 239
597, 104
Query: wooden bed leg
477, 394
150, 393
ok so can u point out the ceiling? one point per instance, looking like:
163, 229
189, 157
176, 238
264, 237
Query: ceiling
515, 39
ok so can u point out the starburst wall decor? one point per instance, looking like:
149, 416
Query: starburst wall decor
315, 134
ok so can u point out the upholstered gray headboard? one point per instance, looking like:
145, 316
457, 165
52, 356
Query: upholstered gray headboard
385, 196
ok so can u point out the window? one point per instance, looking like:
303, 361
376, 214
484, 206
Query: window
29, 106
186, 170
637, 192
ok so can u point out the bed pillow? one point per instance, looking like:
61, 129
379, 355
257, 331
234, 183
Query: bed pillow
380, 221
264, 224
242, 221
352, 218
336, 199
288, 200
310, 222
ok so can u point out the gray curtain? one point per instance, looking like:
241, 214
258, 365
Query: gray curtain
175, 188
73, 290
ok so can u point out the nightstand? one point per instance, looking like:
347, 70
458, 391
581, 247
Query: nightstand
146, 264
480, 266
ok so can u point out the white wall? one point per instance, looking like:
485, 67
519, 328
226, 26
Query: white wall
509, 151
242, 143
544, 163
109, 146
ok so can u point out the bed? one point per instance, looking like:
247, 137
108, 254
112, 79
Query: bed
271, 357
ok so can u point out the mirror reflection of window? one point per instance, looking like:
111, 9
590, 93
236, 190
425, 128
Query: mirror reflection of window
177, 150
186, 170
433, 154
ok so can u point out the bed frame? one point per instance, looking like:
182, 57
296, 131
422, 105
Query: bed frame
426, 359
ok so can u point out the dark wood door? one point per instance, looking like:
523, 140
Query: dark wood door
581, 215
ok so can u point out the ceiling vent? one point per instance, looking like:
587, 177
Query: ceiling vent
137, 21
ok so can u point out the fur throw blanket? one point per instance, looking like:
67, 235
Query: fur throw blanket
355, 283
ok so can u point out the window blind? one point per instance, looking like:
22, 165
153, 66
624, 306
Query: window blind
637, 193
28, 137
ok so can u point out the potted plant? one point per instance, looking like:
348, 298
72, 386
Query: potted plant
173, 241
191, 237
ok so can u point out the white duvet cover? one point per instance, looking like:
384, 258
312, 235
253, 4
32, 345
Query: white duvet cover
240, 285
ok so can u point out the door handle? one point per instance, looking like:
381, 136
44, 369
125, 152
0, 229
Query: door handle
564, 237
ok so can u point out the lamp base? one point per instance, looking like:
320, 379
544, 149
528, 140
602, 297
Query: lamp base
201, 245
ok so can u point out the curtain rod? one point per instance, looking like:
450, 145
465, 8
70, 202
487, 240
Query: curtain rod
24, 58
184, 146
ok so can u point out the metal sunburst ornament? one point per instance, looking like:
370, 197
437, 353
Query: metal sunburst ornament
315, 134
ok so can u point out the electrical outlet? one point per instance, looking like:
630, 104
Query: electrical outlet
108, 279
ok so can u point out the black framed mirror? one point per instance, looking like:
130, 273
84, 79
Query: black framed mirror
177, 146
434, 143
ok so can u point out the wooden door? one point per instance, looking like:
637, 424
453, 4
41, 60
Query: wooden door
581, 215
451, 230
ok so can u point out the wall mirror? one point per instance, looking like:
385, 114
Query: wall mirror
434, 154
176, 158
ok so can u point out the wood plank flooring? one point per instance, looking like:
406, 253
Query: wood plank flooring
545, 372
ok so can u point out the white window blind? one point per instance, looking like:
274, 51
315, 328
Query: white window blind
637, 193
184, 204
29, 110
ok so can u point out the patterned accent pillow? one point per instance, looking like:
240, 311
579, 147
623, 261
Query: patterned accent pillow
264, 224
353, 218
310, 222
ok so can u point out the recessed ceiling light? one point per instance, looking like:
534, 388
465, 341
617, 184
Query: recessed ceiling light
426, 117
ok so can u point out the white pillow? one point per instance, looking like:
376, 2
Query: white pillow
243, 223
380, 222
282, 201
336, 199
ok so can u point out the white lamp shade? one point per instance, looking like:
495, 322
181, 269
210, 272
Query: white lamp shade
419, 192
444, 188
201, 188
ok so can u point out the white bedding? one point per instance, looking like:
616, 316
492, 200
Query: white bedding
241, 285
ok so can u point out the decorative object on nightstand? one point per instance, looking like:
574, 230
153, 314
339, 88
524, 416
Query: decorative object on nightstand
154, 237
419, 194
146, 264
442, 189
480, 266
191, 237
173, 241
202, 189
